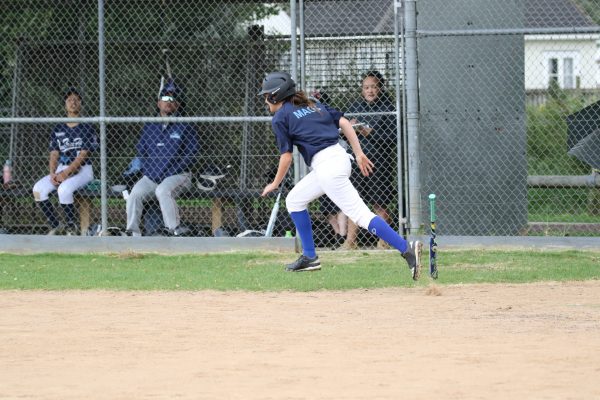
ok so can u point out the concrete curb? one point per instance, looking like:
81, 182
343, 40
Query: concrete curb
34, 244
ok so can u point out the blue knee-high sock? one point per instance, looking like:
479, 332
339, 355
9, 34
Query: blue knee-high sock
69, 210
49, 213
304, 230
381, 229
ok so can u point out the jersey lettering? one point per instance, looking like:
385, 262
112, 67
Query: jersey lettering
303, 112
66, 144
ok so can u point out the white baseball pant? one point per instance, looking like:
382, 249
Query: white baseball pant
166, 192
43, 187
331, 168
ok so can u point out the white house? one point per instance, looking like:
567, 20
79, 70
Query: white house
277, 25
568, 59
571, 59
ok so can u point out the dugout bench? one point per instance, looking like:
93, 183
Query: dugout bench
10, 197
218, 197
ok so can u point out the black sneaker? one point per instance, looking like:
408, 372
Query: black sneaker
412, 255
304, 263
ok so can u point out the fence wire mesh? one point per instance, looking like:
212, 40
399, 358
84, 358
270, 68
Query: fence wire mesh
501, 85
507, 133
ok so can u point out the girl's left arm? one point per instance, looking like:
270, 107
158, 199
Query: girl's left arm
365, 165
73, 168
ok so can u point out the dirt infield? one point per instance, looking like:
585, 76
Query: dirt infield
534, 341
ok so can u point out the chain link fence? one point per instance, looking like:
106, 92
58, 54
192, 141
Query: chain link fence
490, 106
500, 88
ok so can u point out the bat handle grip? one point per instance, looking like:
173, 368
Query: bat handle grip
432, 206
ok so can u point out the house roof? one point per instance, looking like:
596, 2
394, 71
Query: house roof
356, 17
555, 14
349, 17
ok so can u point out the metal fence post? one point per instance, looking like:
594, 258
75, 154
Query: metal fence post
302, 167
412, 116
15, 99
302, 77
102, 114
400, 104
294, 73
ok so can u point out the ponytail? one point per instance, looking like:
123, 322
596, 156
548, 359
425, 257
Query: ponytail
300, 99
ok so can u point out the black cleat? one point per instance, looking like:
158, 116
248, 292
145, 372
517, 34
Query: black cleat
304, 263
412, 255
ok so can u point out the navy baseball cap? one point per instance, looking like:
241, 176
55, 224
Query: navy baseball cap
72, 90
170, 88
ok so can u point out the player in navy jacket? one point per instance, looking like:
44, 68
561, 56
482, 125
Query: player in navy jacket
168, 152
69, 166
313, 129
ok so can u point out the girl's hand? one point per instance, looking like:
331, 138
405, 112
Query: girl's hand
363, 130
62, 176
269, 188
54, 180
365, 165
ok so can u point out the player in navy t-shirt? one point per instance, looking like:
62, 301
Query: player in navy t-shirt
313, 129
69, 166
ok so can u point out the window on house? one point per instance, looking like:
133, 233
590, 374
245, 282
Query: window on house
568, 75
552, 70
562, 68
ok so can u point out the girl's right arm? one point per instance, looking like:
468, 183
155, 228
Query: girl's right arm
52, 165
285, 161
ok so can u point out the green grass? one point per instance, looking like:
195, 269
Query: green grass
263, 271
565, 217
520, 266
563, 205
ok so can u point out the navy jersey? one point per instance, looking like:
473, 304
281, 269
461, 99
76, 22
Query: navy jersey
311, 129
382, 140
167, 150
70, 141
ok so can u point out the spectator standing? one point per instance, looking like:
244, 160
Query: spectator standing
377, 136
